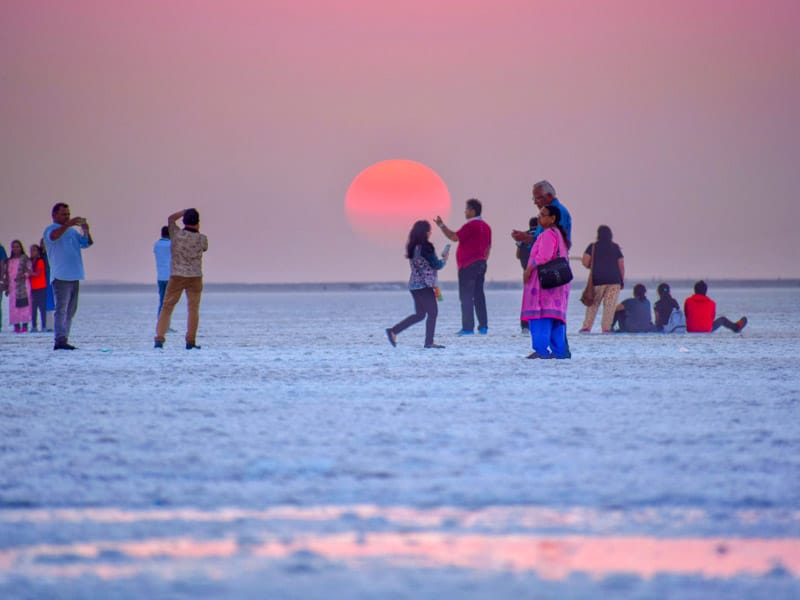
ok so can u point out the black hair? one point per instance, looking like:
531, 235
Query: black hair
21, 245
554, 211
418, 236
165, 232
533, 223
639, 291
57, 207
663, 290
191, 217
700, 288
604, 234
475, 205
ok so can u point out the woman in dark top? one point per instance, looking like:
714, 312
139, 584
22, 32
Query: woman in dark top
608, 275
664, 306
422, 284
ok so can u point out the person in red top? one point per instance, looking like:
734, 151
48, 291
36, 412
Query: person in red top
474, 243
38, 287
701, 313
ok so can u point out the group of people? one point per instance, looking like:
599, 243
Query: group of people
699, 313
50, 278
606, 265
544, 309
543, 312
24, 278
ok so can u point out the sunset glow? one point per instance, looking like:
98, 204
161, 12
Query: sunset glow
385, 199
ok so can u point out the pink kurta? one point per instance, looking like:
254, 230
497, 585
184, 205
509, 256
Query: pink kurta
536, 302
17, 315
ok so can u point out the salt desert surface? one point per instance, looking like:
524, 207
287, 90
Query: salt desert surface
299, 455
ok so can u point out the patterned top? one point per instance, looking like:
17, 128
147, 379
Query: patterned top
187, 251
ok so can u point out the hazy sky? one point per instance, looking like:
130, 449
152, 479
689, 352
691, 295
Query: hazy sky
676, 123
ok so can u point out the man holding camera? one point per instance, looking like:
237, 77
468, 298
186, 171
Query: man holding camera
64, 245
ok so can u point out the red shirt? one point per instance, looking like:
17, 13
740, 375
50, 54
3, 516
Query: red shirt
38, 282
700, 312
474, 241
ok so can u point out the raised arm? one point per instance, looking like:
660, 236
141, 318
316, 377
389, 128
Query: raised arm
448, 233
173, 218
57, 233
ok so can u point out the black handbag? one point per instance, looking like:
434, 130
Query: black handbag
554, 273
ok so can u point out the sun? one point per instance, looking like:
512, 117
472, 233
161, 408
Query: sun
385, 199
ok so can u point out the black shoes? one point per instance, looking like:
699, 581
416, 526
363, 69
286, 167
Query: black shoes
63, 346
192, 346
434, 346
392, 337
158, 344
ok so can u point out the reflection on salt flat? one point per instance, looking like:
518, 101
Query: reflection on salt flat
443, 538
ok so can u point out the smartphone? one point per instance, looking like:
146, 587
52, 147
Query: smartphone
446, 249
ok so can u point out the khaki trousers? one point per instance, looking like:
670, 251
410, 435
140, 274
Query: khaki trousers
607, 295
177, 284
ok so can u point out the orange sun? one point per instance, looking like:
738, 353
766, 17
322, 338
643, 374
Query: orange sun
385, 199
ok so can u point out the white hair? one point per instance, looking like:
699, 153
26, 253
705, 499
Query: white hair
546, 187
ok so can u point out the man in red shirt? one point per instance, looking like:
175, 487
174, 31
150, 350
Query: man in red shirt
474, 243
701, 312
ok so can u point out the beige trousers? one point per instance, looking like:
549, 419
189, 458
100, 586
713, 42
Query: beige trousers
193, 287
607, 295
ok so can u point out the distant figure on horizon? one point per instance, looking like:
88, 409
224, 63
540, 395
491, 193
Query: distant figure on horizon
18, 273
422, 259
608, 274
633, 314
701, 313
64, 250
3, 279
664, 306
523, 254
50, 306
38, 289
546, 309
186, 273
474, 244
161, 250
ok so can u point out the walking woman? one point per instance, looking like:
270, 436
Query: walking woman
19, 288
605, 259
422, 258
546, 309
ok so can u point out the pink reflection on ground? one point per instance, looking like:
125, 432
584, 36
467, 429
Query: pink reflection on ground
554, 558
491, 539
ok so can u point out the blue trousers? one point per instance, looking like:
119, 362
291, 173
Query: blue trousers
66, 293
549, 337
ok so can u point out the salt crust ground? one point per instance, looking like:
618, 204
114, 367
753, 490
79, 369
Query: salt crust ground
297, 400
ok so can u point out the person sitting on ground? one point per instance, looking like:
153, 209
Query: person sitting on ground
633, 315
701, 313
664, 306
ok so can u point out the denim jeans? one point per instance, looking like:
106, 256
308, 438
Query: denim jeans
162, 287
66, 293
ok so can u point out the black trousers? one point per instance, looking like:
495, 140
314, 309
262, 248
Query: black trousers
39, 303
424, 304
470, 293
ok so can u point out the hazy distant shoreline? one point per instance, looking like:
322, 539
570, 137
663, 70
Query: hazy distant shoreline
111, 286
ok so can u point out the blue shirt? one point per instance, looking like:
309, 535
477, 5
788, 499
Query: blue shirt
163, 258
64, 254
3, 255
566, 220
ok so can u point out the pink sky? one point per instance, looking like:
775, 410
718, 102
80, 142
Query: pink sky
675, 123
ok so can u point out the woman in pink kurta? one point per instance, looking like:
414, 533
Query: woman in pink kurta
546, 310
19, 288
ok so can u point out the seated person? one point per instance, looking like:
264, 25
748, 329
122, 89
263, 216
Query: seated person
664, 306
633, 315
701, 313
